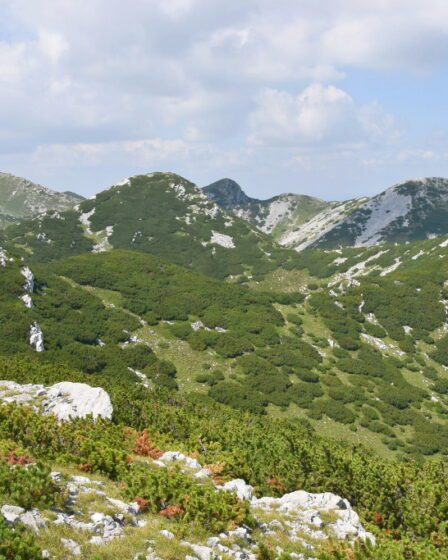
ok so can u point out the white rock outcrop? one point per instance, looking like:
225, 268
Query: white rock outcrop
32, 519
243, 490
306, 507
222, 239
78, 400
4, 259
29, 279
66, 400
37, 338
28, 302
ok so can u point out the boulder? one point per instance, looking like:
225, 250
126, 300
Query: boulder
66, 400
243, 490
12, 513
77, 400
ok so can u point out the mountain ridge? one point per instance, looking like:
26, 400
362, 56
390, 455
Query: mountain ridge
410, 210
20, 198
159, 213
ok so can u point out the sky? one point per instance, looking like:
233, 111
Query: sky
332, 98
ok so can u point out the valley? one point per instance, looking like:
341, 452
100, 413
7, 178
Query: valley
293, 344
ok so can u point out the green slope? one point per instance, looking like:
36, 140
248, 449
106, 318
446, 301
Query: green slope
20, 198
162, 214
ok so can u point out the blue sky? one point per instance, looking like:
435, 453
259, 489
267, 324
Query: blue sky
334, 98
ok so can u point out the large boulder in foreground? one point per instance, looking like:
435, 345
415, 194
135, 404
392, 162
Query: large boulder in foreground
78, 400
66, 400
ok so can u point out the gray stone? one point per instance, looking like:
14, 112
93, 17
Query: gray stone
243, 490
167, 534
72, 545
12, 513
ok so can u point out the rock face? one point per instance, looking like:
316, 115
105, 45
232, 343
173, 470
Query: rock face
66, 400
37, 338
412, 210
275, 216
28, 302
29, 279
28, 287
227, 194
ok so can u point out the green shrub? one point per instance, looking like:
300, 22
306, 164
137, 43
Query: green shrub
27, 486
17, 544
199, 503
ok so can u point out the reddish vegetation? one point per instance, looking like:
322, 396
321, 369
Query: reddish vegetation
378, 518
144, 447
14, 459
172, 511
142, 503
216, 471
277, 484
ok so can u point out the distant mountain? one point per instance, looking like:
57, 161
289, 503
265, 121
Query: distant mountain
162, 214
412, 210
20, 198
228, 194
74, 195
275, 216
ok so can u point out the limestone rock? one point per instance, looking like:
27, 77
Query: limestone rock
28, 302
78, 400
29, 279
243, 490
66, 400
37, 338
12, 513
72, 545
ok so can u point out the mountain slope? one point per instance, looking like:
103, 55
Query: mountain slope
20, 198
412, 210
159, 213
273, 216
415, 209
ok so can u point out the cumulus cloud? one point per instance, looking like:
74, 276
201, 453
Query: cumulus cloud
203, 77
318, 116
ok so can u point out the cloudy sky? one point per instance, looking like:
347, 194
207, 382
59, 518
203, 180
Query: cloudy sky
335, 98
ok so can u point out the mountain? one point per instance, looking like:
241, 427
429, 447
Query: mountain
412, 210
227, 194
160, 213
415, 209
234, 368
20, 199
293, 220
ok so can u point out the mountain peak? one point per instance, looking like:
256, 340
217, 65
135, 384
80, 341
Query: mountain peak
227, 193
21, 198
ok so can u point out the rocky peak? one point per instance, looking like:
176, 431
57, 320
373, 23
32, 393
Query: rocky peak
227, 193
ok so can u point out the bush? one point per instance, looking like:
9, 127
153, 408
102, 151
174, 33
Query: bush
27, 486
17, 544
194, 502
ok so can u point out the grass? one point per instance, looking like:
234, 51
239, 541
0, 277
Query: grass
281, 280
189, 363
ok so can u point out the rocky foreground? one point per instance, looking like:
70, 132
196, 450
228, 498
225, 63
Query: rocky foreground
93, 514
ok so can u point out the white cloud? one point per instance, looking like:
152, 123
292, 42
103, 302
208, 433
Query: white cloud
410, 154
319, 115
85, 79
52, 45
